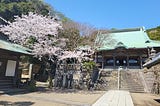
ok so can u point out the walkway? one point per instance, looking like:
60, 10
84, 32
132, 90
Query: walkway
115, 98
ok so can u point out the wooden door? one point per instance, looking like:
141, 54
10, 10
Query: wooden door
3, 63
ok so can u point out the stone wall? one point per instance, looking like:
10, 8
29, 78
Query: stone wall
152, 78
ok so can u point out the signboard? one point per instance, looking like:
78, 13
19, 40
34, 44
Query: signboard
11, 66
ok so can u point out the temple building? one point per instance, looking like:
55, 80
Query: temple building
9, 62
129, 48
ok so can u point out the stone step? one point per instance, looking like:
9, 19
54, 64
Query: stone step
133, 88
12, 91
6, 87
134, 91
6, 83
128, 83
137, 88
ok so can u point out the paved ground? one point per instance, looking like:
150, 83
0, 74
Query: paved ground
50, 98
115, 98
71, 98
144, 99
7, 100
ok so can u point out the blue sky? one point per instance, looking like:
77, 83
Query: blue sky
111, 13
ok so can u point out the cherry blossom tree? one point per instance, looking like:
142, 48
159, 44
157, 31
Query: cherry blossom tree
37, 32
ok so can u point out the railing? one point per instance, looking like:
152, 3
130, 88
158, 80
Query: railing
119, 78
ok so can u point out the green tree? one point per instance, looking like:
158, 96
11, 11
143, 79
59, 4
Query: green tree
154, 33
11, 8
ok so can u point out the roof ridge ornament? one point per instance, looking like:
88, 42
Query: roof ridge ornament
147, 41
120, 45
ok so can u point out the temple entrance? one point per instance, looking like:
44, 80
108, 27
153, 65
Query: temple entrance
121, 61
132, 62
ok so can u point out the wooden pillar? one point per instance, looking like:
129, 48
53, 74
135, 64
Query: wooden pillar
114, 59
17, 75
141, 64
102, 60
127, 61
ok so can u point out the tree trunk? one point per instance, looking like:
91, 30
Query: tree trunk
50, 79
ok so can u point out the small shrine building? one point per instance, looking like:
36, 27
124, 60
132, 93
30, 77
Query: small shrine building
9, 61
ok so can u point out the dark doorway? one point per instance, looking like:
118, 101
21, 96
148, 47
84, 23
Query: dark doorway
3, 63
121, 61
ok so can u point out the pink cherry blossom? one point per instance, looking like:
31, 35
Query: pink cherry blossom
37, 32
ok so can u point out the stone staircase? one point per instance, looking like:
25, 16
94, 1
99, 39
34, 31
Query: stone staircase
5, 84
131, 81
112, 81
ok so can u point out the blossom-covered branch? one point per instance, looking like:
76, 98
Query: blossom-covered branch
37, 32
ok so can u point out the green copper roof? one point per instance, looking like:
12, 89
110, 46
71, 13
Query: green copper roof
14, 47
126, 38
